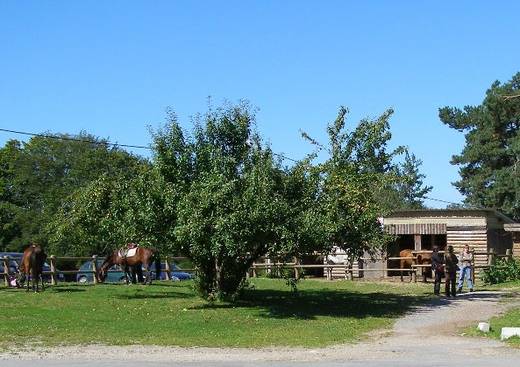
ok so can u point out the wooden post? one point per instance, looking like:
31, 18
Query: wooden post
509, 254
417, 240
268, 261
6, 270
254, 270
350, 271
54, 278
167, 268
472, 267
296, 269
95, 269
491, 256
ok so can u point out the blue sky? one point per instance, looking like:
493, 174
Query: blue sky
113, 67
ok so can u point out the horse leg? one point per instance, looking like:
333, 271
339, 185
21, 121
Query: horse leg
146, 274
126, 270
28, 282
401, 265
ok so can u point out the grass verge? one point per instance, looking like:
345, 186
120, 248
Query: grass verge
509, 319
169, 313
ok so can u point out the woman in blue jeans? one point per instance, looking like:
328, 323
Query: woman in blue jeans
466, 262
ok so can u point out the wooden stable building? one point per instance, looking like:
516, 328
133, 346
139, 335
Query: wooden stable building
514, 229
482, 229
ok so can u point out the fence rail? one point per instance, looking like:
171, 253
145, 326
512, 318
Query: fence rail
275, 266
94, 270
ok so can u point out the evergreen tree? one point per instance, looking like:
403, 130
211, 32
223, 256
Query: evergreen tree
490, 161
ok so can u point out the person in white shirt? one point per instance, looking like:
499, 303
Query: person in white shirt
466, 263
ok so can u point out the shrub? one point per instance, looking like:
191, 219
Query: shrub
502, 270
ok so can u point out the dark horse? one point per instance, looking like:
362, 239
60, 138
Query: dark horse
32, 266
422, 259
142, 258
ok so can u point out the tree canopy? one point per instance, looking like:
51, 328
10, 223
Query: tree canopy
36, 176
216, 194
490, 161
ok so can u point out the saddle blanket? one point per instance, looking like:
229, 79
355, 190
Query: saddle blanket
125, 252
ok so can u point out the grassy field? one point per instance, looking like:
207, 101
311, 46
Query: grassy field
169, 313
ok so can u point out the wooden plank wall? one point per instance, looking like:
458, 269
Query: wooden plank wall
476, 237
516, 244
341, 272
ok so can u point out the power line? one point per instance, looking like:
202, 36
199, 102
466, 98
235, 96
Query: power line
76, 139
57, 137
442, 201
150, 148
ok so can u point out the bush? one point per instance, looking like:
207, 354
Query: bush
503, 270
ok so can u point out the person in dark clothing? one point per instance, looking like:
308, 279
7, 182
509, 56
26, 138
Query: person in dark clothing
451, 272
438, 269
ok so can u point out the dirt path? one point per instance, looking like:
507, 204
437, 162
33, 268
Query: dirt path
427, 336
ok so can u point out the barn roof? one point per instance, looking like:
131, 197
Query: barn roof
451, 213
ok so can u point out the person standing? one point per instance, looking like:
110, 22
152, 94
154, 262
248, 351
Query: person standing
466, 260
451, 268
438, 269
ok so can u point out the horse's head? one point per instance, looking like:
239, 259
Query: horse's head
103, 270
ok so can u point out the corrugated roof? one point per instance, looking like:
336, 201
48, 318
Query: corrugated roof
450, 213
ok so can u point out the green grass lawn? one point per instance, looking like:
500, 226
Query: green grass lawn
169, 313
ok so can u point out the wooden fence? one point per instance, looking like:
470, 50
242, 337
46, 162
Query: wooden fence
54, 271
349, 270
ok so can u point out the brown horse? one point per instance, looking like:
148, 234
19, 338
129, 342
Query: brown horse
422, 259
31, 266
142, 258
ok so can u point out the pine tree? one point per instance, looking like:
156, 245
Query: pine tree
490, 161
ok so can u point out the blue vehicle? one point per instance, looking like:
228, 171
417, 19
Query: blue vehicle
15, 258
13, 265
114, 275
176, 273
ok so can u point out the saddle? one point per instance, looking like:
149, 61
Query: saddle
129, 250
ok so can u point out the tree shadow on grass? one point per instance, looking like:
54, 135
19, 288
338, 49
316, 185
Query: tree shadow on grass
154, 295
66, 290
334, 303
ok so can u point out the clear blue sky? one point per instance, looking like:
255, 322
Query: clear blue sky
112, 67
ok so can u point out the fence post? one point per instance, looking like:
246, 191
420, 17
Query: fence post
491, 256
296, 269
254, 270
54, 278
167, 268
472, 267
509, 254
6, 270
95, 269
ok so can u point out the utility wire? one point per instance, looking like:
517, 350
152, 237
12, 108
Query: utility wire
57, 137
76, 139
441, 201
150, 148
